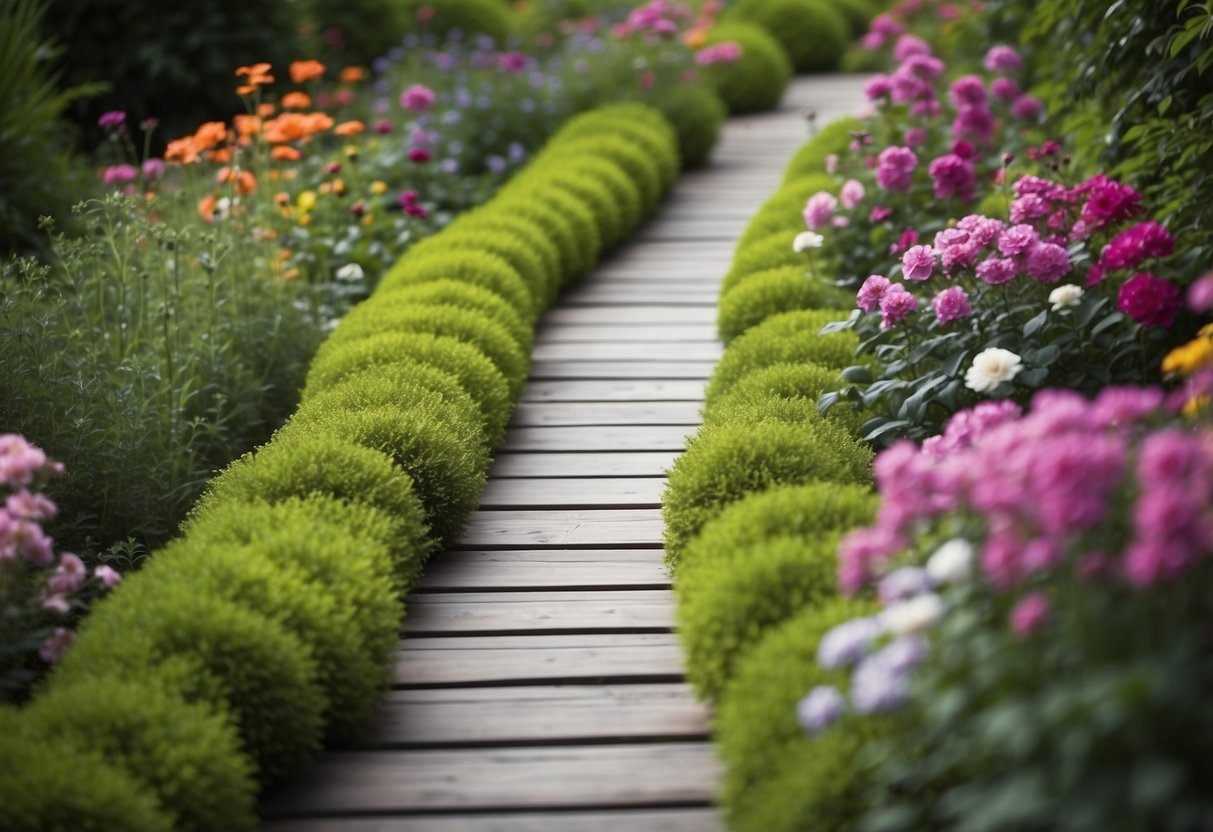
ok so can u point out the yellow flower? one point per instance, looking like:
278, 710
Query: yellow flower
1188, 358
378, 187
368, 220
1196, 406
306, 200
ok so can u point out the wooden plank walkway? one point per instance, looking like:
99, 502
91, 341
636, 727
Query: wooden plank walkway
540, 686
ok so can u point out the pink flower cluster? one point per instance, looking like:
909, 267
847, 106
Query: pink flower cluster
657, 19
1047, 487
417, 99
728, 52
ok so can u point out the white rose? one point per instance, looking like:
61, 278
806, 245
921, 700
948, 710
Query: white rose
991, 368
1066, 295
952, 562
912, 617
806, 240
350, 272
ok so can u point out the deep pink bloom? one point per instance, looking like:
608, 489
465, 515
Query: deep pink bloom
1109, 202
968, 92
1029, 207
895, 305
895, 168
964, 149
1018, 239
153, 168
1150, 301
909, 87
726, 53
908, 45
1030, 614
1002, 59
924, 66
1027, 108
996, 271
819, 210
925, 108
868, 298
1200, 293
119, 174
908, 238
974, 122
1048, 262
1131, 247
420, 155
954, 177
887, 27
513, 62
918, 263
112, 119
417, 99
951, 304
880, 86
880, 213
915, 136
982, 230
852, 193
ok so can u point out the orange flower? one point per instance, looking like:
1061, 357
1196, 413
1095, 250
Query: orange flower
182, 151
247, 125
304, 71
352, 74
282, 198
695, 38
206, 207
288, 127
296, 101
221, 156
210, 134
257, 74
266, 110
245, 181
318, 122
286, 153
349, 128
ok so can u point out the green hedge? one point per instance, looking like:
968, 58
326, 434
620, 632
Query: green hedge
471, 17
756, 82
771, 292
478, 268
759, 255
813, 32
833, 139
697, 114
788, 392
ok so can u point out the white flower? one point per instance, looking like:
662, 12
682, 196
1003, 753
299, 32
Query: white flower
991, 368
350, 272
952, 562
806, 240
1065, 295
917, 615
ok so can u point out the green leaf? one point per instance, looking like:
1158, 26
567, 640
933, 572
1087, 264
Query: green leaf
858, 374
1034, 325
1107, 323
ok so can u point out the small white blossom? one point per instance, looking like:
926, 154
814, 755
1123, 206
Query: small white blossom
350, 272
1065, 295
806, 240
917, 615
952, 562
991, 368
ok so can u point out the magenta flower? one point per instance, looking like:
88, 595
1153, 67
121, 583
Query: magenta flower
954, 177
1027, 108
968, 92
880, 86
916, 136
1048, 263
417, 98
951, 304
1109, 202
895, 167
925, 108
153, 168
1002, 59
119, 174
1005, 90
908, 238
1030, 614
870, 293
1149, 300
908, 46
512, 62
107, 575
974, 122
112, 119
909, 87
819, 210
420, 155
896, 304
852, 194
56, 645
1200, 293
1131, 247
918, 263
879, 214
983, 231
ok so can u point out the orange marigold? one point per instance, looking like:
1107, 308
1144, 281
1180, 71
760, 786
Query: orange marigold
349, 128
256, 75
206, 207
247, 125
352, 74
317, 122
266, 110
286, 128
244, 180
304, 71
182, 151
210, 134
296, 101
286, 153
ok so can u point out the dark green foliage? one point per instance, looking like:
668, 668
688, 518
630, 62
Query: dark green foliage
813, 32
474, 298
448, 464
765, 253
381, 315
479, 268
476, 373
810, 159
759, 735
756, 82
725, 605
786, 392
48, 785
857, 13
187, 755
531, 236
302, 466
768, 293
209, 650
724, 463
357, 31
637, 123
166, 60
696, 114
791, 337
471, 17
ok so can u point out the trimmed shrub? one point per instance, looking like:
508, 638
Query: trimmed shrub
812, 32
725, 605
471, 17
757, 81
479, 268
583, 244
787, 393
48, 785
630, 157
833, 139
475, 372
759, 736
559, 230
784, 211
696, 114
188, 755
724, 463
858, 15
791, 337
534, 237
768, 293
625, 192
593, 194
473, 298
770, 252
639, 124
210, 650
378, 316
305, 466
447, 465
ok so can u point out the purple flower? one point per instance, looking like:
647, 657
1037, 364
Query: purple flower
954, 177
908, 46
880, 683
1200, 293
1109, 202
30, 506
513, 62
870, 293
819, 210
1018, 239
915, 136
1002, 59
1149, 300
1027, 108
924, 108
112, 119
880, 86
951, 304
823, 706
1131, 247
417, 99
153, 168
895, 167
1048, 263
107, 575
903, 583
848, 642
852, 194
909, 87
968, 92
1005, 90
895, 305
974, 122
56, 645
924, 66
1029, 614
982, 230
119, 174
918, 263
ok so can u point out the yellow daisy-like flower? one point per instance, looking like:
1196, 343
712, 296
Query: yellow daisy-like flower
1190, 357
306, 200
378, 187
1196, 406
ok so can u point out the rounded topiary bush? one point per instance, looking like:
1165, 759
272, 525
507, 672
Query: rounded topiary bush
791, 337
533, 237
772, 292
379, 315
857, 13
209, 650
636, 123
784, 211
187, 755
475, 298
696, 113
642, 169
786, 392
560, 231
582, 242
757, 80
814, 34
50, 785
469, 17
723, 464
625, 192
478, 268
770, 252
303, 466
726, 604
833, 139
593, 194
475, 372
758, 732
447, 465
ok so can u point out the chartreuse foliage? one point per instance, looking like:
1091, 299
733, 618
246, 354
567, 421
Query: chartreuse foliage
269, 626
756, 82
814, 34
771, 292
783, 211
833, 139
472, 17
759, 255
788, 392
697, 114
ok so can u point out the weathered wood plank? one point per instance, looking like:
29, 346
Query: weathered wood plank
597, 438
622, 370
627, 296
538, 659
559, 528
635, 464
540, 714
516, 613
641, 775
655, 314
628, 351
530, 414
628, 820
560, 333
615, 390
573, 492
545, 569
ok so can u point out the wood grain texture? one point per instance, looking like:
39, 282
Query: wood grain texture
462, 570
554, 414
636, 464
573, 492
649, 333
652, 314
629, 351
619, 820
559, 528
584, 438
615, 390
521, 612
628, 371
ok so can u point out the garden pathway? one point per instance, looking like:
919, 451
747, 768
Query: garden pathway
540, 684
